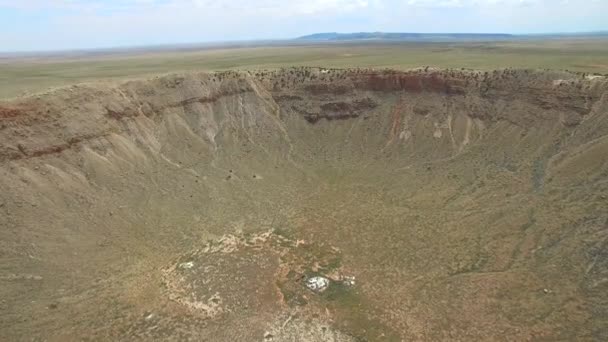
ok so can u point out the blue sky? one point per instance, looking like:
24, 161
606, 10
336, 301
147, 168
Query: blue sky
32, 25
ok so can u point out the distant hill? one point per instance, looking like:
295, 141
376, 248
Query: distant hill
334, 36
593, 34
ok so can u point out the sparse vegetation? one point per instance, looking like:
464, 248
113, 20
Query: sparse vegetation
17, 77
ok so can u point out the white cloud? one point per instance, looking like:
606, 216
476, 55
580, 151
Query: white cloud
281, 7
275, 7
473, 3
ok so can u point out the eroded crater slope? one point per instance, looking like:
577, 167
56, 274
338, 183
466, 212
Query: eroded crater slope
437, 205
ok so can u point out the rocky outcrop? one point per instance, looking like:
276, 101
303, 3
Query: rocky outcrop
337, 110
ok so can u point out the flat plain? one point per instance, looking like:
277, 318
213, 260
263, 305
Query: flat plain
19, 76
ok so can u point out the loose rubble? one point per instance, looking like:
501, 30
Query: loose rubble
348, 281
186, 265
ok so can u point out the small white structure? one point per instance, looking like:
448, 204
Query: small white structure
317, 284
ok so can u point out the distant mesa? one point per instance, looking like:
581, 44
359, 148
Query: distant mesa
334, 36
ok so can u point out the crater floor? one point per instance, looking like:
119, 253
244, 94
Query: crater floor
437, 205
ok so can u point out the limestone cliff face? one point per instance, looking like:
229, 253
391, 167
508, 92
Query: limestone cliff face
484, 182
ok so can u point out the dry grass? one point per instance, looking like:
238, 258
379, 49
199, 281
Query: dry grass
36, 74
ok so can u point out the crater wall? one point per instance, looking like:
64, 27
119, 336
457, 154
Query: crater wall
467, 205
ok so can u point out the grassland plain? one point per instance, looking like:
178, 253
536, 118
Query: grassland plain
19, 76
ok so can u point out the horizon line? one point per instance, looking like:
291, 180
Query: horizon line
218, 43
